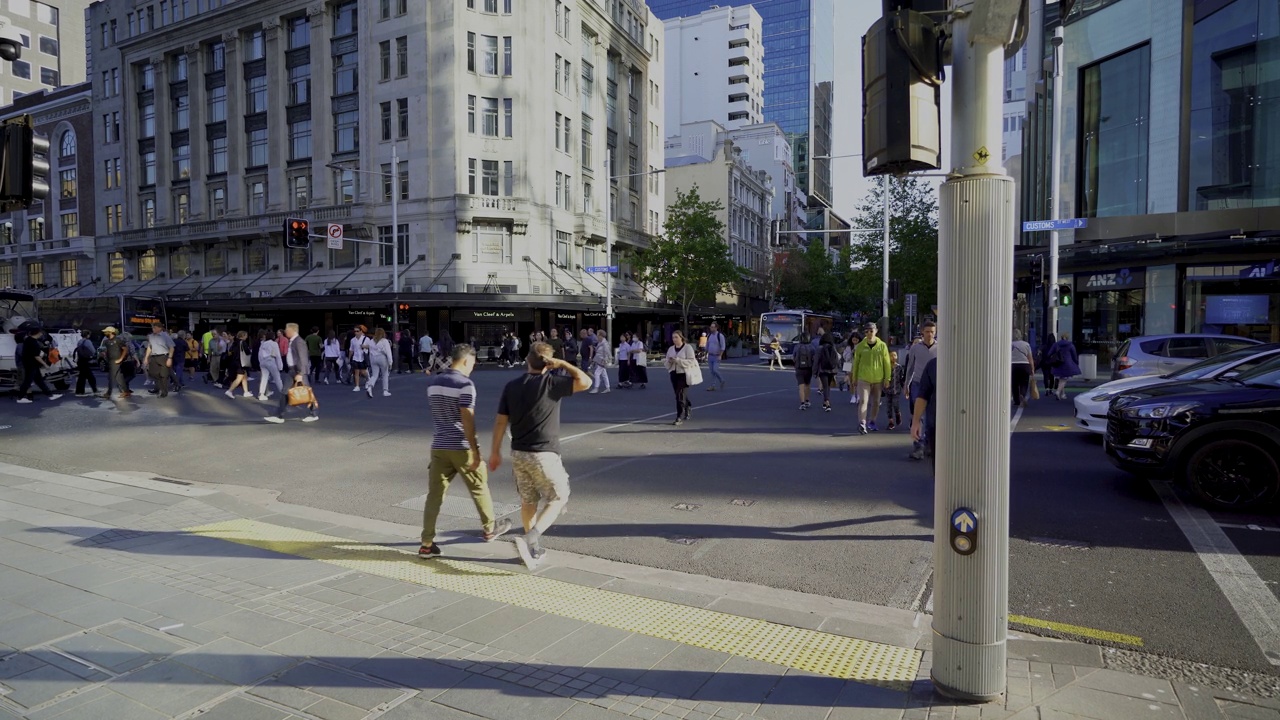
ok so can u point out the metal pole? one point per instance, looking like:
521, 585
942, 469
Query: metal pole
608, 251
885, 289
975, 261
395, 241
1055, 183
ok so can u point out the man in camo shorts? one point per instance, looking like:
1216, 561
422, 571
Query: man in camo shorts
530, 404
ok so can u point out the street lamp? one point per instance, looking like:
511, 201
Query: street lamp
608, 241
395, 228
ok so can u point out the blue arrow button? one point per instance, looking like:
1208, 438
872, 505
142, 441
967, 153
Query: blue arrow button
964, 520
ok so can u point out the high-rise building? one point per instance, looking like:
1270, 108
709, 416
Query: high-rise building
715, 68
799, 78
217, 120
53, 46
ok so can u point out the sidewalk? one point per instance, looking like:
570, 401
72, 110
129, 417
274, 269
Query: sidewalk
135, 598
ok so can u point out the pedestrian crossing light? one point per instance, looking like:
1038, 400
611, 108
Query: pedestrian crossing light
297, 233
1064, 295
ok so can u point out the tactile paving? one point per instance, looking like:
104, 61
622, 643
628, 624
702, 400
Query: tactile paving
793, 647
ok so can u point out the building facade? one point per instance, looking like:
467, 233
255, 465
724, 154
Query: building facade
53, 46
799, 80
715, 68
765, 147
1167, 124
223, 123
50, 248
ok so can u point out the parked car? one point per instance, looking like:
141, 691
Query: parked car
1221, 438
1092, 405
1161, 354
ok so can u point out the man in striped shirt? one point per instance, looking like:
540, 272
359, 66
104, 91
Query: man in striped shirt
455, 450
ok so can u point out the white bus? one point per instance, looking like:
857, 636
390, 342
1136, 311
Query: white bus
787, 326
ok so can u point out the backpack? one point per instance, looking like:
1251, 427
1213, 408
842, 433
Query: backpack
53, 356
804, 356
85, 351
830, 357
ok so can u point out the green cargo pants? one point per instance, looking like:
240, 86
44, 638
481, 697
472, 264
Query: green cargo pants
445, 466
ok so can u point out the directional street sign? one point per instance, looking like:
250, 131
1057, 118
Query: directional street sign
334, 233
964, 520
1068, 224
603, 269
909, 304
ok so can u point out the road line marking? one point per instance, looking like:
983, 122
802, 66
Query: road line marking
1255, 604
1017, 415
1234, 526
571, 438
793, 647
1077, 630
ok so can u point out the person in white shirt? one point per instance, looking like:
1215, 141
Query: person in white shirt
600, 362
332, 350
426, 348
271, 363
359, 351
380, 359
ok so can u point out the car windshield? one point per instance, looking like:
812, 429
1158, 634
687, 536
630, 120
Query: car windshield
1208, 367
1265, 375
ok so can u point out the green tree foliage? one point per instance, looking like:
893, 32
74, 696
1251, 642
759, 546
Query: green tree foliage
913, 244
690, 260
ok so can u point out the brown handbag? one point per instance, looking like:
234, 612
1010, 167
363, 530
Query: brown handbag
300, 394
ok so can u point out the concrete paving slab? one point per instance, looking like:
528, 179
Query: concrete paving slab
632, 657
170, 687
684, 670
9, 609
419, 605
426, 675
741, 684
15, 664
154, 643
240, 708
421, 709
576, 576
32, 559
581, 646
86, 576
452, 616
499, 700
1136, 686
661, 592
284, 694
490, 627
1066, 653
41, 685
772, 613
1092, 703
898, 637
18, 582
538, 635
341, 686
251, 627
135, 592
104, 651
106, 705
190, 608
328, 647
859, 701
234, 661
24, 631
801, 696
55, 601
328, 709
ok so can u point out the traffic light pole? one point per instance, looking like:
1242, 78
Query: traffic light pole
395, 241
1055, 184
975, 262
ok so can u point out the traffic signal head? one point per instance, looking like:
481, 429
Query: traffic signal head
1037, 270
1064, 295
24, 170
297, 233
901, 97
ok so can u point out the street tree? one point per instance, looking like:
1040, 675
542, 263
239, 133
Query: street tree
690, 260
913, 243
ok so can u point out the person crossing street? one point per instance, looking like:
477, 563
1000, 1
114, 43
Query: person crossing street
715, 352
84, 356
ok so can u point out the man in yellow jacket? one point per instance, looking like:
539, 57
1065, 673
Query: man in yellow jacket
872, 372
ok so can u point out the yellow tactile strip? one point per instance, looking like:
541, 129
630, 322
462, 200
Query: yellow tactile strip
799, 648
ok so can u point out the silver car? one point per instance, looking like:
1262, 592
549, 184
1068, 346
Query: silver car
1162, 354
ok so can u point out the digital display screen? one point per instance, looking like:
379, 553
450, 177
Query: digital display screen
1237, 309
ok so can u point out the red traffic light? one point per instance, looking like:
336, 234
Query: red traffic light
297, 233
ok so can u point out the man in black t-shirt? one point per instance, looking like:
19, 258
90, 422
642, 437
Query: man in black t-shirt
33, 365
530, 404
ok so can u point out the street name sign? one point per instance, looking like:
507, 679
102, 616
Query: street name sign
603, 269
1068, 224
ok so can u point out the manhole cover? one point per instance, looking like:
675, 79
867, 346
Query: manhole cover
685, 506
683, 540
742, 503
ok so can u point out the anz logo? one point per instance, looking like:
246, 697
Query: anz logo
1120, 278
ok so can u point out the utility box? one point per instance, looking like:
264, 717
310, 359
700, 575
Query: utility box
901, 79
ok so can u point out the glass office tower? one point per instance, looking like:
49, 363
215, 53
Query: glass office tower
799, 70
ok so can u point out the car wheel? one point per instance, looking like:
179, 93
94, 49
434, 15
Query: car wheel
1232, 474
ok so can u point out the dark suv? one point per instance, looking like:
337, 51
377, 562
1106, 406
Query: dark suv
1221, 438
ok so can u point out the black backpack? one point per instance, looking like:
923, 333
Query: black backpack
830, 358
804, 356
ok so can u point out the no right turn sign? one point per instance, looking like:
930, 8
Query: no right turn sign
334, 232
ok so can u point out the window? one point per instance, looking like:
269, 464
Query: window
491, 6
182, 162
67, 145
555, 71
568, 134
506, 7
21, 69
508, 178
506, 55
346, 136
489, 47
560, 13
344, 19
255, 258
217, 155
49, 76
35, 274
217, 60
559, 189
217, 102
148, 168
566, 72
345, 186
384, 9
300, 140
181, 112
148, 212
255, 91
179, 262
346, 69
70, 224
254, 46
6, 276
67, 183
404, 180
299, 191
297, 259
471, 114
299, 84
402, 56
111, 82
489, 117
402, 116
507, 119
344, 258
257, 197
299, 32
402, 7
401, 240
471, 52
177, 68
181, 207
385, 175
147, 124
111, 169
215, 261
146, 77
217, 201
471, 176
384, 59
386, 120
588, 84
586, 141
564, 241
1115, 104
489, 177
111, 215
257, 150
586, 197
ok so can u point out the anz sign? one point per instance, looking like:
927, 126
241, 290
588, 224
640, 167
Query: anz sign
1122, 279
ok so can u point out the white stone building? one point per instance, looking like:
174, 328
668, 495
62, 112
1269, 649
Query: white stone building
223, 123
53, 46
715, 68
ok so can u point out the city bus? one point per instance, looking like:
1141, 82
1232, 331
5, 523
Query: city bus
788, 325
131, 314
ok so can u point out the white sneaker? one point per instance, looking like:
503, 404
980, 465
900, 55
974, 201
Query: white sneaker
386, 393
24, 401
592, 391
55, 396
368, 391
248, 396
311, 418
273, 419
355, 389
264, 396
605, 391
230, 394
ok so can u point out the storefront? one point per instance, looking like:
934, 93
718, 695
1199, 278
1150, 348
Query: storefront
484, 329
1109, 310
1241, 300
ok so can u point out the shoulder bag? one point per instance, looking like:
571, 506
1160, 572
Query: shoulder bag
301, 394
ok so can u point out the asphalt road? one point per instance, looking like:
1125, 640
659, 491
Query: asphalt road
752, 489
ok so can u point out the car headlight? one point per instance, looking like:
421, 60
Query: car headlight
1155, 412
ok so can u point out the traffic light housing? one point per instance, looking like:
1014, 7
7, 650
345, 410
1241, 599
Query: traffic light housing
901, 90
895, 290
24, 167
1037, 270
1064, 295
297, 233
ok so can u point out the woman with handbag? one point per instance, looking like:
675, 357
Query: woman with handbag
380, 363
682, 364
1064, 363
624, 361
639, 363
270, 363
238, 364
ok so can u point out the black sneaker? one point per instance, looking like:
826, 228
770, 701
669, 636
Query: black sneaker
429, 552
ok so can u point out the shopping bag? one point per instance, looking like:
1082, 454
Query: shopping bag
300, 394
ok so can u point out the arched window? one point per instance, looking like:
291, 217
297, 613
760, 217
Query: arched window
68, 144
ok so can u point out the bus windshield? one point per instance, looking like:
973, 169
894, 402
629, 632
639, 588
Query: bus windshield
786, 326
